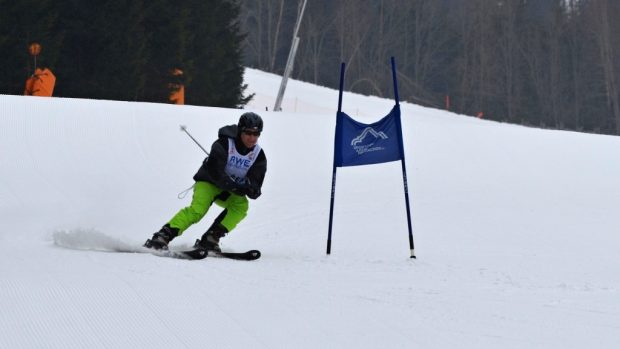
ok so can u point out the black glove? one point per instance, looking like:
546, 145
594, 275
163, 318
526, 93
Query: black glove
253, 193
238, 186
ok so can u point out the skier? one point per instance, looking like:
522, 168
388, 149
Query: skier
234, 169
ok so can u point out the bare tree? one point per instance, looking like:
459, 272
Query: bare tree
553, 63
474, 65
508, 50
266, 23
604, 39
317, 27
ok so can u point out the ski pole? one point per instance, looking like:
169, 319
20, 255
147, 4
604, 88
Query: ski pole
184, 129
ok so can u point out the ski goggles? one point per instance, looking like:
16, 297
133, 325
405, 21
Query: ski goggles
251, 133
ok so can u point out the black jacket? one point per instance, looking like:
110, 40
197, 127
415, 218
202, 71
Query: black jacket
212, 169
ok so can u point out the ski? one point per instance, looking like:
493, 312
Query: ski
201, 253
196, 254
193, 254
250, 255
240, 256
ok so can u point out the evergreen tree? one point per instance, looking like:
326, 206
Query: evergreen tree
216, 75
126, 49
102, 56
166, 25
21, 23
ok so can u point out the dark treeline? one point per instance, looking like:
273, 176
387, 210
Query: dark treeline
126, 49
547, 63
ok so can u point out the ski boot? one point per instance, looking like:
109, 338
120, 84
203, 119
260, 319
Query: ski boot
160, 240
210, 240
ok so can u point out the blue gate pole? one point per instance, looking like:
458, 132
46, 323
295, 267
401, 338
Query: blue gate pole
333, 195
402, 162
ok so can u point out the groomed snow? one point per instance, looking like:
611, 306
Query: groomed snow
516, 231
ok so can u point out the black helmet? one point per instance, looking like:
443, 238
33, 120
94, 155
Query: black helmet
250, 121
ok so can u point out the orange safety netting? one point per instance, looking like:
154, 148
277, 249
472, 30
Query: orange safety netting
177, 95
41, 83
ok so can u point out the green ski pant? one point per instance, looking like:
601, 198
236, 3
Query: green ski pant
205, 194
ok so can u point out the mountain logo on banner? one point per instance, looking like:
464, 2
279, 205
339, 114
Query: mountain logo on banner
364, 143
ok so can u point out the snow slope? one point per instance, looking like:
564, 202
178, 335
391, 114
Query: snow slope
516, 231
